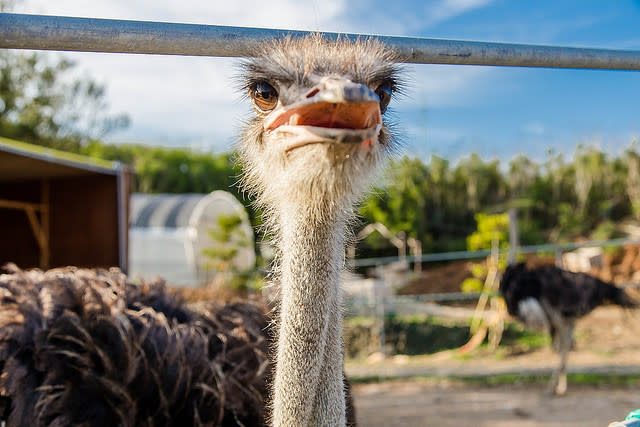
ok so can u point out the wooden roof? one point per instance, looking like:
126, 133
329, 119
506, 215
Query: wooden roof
21, 161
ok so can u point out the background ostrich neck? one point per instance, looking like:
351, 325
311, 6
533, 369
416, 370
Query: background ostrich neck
308, 382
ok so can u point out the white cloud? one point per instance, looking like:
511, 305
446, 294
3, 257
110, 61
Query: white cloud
446, 85
185, 100
446, 9
256, 13
534, 129
168, 98
399, 17
180, 100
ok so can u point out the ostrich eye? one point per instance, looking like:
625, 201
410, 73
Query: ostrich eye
384, 91
264, 96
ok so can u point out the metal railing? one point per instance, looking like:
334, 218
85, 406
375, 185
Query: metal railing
462, 255
20, 31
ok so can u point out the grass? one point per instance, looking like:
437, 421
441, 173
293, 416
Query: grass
407, 335
410, 335
421, 334
522, 339
584, 379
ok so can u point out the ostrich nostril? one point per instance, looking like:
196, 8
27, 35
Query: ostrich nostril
313, 93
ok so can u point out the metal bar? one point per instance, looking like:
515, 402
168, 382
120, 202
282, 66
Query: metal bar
19, 31
440, 297
460, 255
434, 257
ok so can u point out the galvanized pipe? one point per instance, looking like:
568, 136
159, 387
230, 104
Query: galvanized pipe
483, 253
19, 31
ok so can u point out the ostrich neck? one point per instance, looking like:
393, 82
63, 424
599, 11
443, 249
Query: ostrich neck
309, 380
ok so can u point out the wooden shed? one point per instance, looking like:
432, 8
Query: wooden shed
59, 209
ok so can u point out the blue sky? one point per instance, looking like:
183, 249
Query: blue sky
507, 111
449, 110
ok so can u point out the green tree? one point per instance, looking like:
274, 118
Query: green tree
41, 103
171, 170
229, 239
402, 203
492, 229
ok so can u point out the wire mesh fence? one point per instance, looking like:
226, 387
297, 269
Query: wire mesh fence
379, 306
376, 302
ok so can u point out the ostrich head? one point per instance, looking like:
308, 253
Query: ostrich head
319, 129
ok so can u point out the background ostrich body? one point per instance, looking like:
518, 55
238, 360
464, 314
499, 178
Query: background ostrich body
89, 348
550, 299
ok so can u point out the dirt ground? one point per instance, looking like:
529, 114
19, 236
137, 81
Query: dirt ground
424, 403
607, 342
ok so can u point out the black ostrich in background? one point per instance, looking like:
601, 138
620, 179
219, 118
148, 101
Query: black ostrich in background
551, 299
90, 348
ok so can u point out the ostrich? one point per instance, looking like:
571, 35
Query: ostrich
550, 299
308, 155
90, 348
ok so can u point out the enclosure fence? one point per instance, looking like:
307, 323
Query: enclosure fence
21, 31
39, 32
381, 301
556, 248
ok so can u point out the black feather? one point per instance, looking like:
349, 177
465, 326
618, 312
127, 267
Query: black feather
90, 348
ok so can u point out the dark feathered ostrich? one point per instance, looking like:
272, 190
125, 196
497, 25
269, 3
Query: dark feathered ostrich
550, 299
89, 348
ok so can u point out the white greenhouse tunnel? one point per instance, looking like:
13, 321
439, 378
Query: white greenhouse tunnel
170, 233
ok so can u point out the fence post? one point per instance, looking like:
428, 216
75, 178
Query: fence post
514, 238
559, 262
380, 290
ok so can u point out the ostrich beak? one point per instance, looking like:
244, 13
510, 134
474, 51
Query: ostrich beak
337, 110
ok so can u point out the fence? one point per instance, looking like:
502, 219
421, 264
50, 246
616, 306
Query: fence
380, 301
19, 31
40, 32
360, 305
556, 248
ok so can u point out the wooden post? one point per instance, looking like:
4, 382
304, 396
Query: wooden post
402, 244
559, 260
39, 226
379, 292
514, 240
415, 250
45, 254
